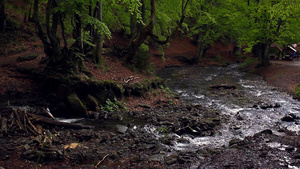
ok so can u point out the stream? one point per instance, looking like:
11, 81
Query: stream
251, 107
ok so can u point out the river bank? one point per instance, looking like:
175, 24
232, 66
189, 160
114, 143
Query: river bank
285, 75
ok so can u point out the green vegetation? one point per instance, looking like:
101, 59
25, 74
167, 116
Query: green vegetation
297, 92
248, 61
27, 58
113, 106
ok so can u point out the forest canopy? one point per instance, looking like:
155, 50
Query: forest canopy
72, 29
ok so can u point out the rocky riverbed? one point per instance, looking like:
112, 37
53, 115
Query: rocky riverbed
134, 140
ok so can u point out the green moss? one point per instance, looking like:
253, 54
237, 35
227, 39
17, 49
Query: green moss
248, 61
27, 58
297, 92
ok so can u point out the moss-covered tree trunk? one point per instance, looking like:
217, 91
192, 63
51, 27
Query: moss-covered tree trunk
60, 59
99, 41
141, 36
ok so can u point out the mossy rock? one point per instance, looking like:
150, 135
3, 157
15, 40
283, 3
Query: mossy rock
212, 122
92, 103
75, 105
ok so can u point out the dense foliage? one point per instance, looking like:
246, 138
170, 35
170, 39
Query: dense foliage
82, 25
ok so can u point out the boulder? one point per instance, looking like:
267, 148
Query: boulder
76, 106
92, 103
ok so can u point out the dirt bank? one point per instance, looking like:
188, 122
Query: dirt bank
282, 74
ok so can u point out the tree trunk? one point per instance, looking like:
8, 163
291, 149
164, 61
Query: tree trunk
200, 49
182, 17
265, 59
141, 37
261, 50
2, 16
132, 26
99, 42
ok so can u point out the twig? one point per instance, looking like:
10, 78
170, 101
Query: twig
49, 114
33, 127
24, 119
130, 79
18, 120
101, 161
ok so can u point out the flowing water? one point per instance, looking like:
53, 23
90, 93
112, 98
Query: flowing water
252, 107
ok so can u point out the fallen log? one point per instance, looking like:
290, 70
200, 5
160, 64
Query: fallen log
36, 118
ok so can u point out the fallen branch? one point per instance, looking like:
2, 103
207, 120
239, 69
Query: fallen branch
130, 79
49, 121
48, 112
101, 161
34, 130
17, 118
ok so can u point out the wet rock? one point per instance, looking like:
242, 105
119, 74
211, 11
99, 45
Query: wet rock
267, 131
183, 140
92, 103
172, 159
238, 116
277, 105
223, 86
266, 106
297, 156
166, 140
27, 147
26, 153
150, 146
121, 129
145, 106
212, 122
76, 105
157, 158
236, 142
60, 152
289, 117
290, 149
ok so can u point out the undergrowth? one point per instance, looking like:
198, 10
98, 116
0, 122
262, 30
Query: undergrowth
297, 92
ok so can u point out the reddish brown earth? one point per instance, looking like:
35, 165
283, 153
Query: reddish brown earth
285, 75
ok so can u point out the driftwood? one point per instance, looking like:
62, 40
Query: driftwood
223, 86
29, 122
49, 121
